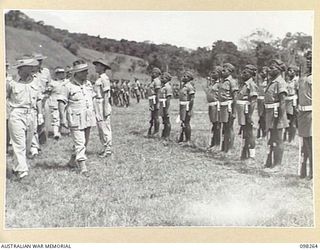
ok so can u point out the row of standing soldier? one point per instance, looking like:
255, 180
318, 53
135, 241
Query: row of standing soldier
282, 106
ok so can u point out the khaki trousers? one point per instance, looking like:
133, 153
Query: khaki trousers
21, 129
105, 133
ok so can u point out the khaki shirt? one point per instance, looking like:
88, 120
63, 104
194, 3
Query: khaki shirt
55, 88
166, 91
153, 86
305, 91
44, 77
227, 87
79, 100
186, 91
102, 87
292, 86
23, 95
247, 90
212, 92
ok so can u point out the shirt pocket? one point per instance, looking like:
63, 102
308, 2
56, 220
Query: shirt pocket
76, 96
73, 119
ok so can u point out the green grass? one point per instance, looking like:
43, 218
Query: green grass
146, 183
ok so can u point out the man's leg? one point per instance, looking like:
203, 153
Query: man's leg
278, 151
188, 127
79, 140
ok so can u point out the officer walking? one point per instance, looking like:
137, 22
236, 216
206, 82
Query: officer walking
153, 96
291, 102
305, 118
212, 93
186, 99
102, 105
276, 116
25, 110
245, 105
54, 89
262, 85
76, 98
164, 99
227, 95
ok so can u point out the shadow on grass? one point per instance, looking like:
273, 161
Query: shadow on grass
52, 165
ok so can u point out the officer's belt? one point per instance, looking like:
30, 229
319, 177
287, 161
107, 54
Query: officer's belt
246, 105
260, 97
273, 106
153, 98
292, 97
305, 108
227, 103
163, 101
243, 102
217, 103
24, 110
185, 103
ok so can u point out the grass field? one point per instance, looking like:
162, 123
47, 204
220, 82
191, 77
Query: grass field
147, 183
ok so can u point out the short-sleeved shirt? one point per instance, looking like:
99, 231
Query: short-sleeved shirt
273, 91
166, 91
186, 91
212, 92
153, 86
227, 87
305, 99
101, 86
23, 95
55, 88
247, 90
79, 100
292, 86
45, 77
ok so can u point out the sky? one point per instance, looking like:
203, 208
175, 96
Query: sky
190, 29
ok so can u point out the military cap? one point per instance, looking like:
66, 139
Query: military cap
79, 66
26, 60
167, 75
103, 62
59, 70
229, 67
156, 70
217, 69
38, 56
189, 74
293, 67
279, 64
251, 67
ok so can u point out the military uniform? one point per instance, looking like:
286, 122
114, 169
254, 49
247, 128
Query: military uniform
212, 94
152, 89
291, 105
103, 111
274, 122
226, 90
185, 96
164, 99
245, 94
261, 109
55, 88
305, 123
80, 114
22, 101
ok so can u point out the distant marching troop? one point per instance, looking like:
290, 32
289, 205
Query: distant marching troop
75, 105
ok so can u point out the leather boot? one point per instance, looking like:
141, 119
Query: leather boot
181, 138
303, 170
83, 167
278, 154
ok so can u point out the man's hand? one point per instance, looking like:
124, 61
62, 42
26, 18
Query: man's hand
40, 119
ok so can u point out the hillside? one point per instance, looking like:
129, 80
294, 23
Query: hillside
19, 42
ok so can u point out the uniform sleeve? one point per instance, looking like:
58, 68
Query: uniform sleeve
9, 88
282, 87
105, 82
191, 89
64, 94
253, 88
